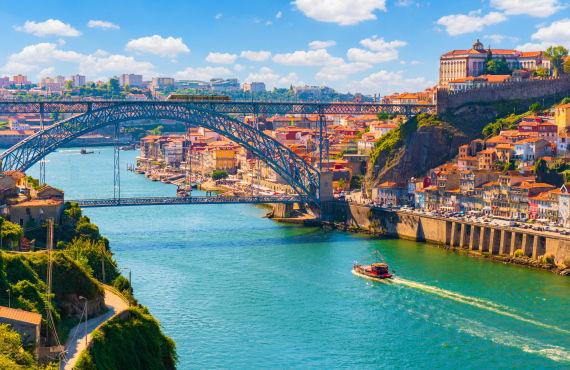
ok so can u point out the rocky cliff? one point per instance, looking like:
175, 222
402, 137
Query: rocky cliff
426, 141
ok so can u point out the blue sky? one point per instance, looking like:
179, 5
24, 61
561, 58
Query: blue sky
371, 46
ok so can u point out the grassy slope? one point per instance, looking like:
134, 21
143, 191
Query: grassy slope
135, 343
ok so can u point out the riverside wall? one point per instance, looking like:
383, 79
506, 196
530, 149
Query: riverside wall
485, 238
527, 89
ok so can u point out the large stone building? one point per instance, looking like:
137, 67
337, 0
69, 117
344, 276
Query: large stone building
562, 118
458, 64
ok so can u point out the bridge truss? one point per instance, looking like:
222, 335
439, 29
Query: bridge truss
301, 176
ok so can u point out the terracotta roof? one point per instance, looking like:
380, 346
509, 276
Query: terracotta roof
39, 203
15, 174
20, 315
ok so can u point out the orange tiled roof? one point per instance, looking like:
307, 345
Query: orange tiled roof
20, 315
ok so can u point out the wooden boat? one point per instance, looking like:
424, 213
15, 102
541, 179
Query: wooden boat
85, 151
377, 270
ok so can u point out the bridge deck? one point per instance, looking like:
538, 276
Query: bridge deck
216, 199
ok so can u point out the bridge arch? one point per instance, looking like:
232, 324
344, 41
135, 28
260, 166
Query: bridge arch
301, 176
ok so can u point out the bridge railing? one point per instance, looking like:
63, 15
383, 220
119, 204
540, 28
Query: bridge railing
217, 199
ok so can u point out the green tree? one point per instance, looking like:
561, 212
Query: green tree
219, 175
114, 85
556, 55
127, 87
69, 85
497, 67
12, 355
88, 253
535, 107
11, 233
541, 72
567, 66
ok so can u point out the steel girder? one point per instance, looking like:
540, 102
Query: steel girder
226, 107
304, 178
152, 201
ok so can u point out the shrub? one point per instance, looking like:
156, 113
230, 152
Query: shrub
519, 253
547, 259
219, 175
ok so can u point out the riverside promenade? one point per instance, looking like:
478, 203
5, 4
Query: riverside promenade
76, 343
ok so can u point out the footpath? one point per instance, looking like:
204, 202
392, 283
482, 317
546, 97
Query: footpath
76, 344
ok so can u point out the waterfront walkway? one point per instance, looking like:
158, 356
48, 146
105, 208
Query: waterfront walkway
115, 303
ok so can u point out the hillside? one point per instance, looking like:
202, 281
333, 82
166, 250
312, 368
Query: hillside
426, 141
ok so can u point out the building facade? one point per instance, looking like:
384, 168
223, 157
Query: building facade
458, 64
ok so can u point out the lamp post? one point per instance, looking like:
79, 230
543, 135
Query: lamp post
86, 314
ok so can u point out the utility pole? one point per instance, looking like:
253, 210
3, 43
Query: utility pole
103, 261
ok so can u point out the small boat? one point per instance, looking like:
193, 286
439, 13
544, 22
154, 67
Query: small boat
184, 191
85, 151
377, 270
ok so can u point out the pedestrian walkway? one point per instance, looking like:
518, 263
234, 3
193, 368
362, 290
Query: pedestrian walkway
115, 303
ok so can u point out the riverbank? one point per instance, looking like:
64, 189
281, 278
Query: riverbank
391, 224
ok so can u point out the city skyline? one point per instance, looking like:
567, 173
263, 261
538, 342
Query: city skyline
369, 46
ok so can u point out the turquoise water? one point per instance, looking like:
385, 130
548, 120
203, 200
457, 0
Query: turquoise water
236, 290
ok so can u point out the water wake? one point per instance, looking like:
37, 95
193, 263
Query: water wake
476, 302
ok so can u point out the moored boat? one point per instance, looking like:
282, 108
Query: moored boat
377, 270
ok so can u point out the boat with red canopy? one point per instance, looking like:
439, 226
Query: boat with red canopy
378, 270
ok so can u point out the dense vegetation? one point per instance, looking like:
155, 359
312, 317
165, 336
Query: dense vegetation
219, 175
117, 341
12, 354
394, 139
557, 173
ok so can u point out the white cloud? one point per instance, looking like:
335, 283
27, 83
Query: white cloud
238, 67
405, 3
218, 16
272, 79
46, 72
168, 47
115, 63
534, 8
268, 23
255, 56
387, 82
382, 51
60, 42
497, 39
343, 12
307, 58
221, 58
378, 44
33, 57
265, 75
415, 62
557, 33
42, 55
336, 72
278, 15
101, 24
202, 73
290, 79
49, 27
457, 24
321, 44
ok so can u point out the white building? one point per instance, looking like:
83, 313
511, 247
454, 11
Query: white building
254, 87
162, 82
529, 150
78, 80
131, 80
564, 205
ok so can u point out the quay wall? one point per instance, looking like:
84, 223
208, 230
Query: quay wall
529, 89
492, 239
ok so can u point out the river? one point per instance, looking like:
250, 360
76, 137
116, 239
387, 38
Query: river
237, 290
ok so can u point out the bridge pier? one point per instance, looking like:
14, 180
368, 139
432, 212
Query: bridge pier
474, 237
463, 236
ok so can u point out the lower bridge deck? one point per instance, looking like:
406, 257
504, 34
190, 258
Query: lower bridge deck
216, 199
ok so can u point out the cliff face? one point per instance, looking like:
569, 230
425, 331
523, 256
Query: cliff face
425, 141
423, 149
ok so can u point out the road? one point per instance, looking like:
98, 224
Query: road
115, 304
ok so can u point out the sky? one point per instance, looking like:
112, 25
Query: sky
368, 46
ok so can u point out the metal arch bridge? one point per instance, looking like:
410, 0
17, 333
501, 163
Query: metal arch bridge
301, 176
223, 107
216, 199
